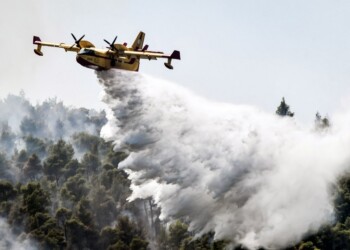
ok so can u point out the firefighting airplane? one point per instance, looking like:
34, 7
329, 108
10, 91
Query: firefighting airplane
115, 56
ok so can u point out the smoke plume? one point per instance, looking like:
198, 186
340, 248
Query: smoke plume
251, 177
10, 242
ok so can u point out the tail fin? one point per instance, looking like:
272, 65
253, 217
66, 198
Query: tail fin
138, 43
36, 40
175, 55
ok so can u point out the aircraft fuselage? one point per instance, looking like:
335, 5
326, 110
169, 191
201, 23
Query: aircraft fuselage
100, 60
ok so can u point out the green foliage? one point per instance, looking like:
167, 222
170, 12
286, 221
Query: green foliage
108, 237
71, 168
120, 245
16, 216
336, 236
35, 145
163, 239
126, 235
127, 230
74, 188
20, 158
307, 246
31, 126
115, 158
7, 194
138, 244
90, 162
112, 178
62, 215
178, 231
79, 236
44, 229
5, 168
32, 168
7, 191
206, 241
7, 138
85, 142
84, 213
61, 151
103, 207
220, 244
342, 202
59, 155
35, 199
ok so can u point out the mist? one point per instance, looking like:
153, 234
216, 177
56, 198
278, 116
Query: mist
24, 126
11, 242
251, 177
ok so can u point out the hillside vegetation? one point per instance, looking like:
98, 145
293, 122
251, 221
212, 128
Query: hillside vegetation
61, 188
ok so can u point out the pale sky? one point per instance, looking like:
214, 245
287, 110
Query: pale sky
243, 52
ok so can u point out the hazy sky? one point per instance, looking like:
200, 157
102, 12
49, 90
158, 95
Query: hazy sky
244, 52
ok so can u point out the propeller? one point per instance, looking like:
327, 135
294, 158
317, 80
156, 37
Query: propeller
111, 45
76, 42
113, 48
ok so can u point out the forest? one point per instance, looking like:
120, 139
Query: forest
61, 188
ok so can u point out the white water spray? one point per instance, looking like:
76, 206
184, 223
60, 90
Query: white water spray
252, 177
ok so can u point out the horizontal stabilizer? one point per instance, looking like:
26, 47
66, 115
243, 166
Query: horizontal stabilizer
168, 65
38, 52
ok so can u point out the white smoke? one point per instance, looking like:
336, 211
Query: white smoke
252, 177
50, 119
9, 241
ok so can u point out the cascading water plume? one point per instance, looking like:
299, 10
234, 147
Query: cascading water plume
251, 177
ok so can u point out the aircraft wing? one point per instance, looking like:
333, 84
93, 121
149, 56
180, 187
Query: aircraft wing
151, 55
39, 43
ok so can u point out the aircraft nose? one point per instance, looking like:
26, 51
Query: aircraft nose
86, 63
82, 61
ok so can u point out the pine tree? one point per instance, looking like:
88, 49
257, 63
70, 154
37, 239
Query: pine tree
32, 168
283, 109
59, 155
321, 123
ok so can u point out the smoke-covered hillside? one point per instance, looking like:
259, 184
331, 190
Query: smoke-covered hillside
166, 169
60, 185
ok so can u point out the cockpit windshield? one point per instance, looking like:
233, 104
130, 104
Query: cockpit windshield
86, 52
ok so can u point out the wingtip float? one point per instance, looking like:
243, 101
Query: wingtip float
117, 55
